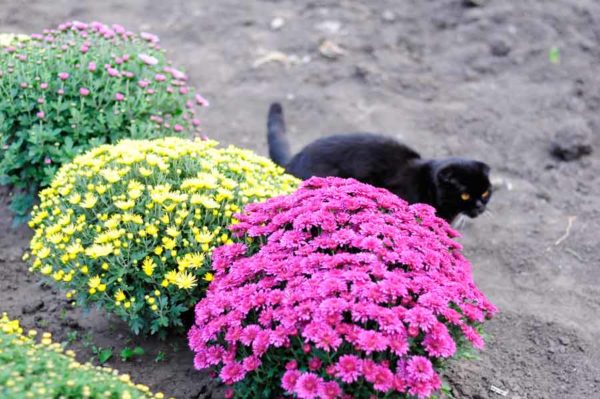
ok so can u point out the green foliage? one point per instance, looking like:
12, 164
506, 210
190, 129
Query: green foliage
127, 353
29, 368
77, 87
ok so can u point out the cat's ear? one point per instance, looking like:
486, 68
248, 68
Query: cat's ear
484, 168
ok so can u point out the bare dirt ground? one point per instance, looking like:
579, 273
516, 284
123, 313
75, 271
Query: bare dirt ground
446, 78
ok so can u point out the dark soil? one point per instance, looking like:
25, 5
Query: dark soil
447, 77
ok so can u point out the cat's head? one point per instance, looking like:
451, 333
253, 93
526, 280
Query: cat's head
463, 186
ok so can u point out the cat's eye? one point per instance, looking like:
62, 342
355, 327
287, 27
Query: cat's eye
486, 194
465, 196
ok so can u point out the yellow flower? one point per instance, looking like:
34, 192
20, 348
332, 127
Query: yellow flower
89, 201
111, 175
125, 205
120, 296
185, 280
43, 253
94, 282
75, 199
148, 266
99, 250
46, 270
209, 277
173, 232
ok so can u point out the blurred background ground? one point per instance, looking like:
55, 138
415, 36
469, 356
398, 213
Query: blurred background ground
500, 81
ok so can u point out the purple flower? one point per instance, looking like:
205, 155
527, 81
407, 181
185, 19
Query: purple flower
202, 101
149, 37
113, 72
63, 76
148, 59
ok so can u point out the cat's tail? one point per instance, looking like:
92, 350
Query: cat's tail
279, 147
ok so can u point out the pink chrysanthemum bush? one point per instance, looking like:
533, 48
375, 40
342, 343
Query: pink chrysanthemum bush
345, 291
79, 86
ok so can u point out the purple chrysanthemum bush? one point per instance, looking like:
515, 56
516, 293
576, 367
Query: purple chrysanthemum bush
78, 86
344, 291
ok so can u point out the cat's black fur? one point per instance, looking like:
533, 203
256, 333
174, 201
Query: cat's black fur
384, 162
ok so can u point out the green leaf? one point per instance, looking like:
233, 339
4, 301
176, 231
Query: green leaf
104, 355
21, 204
554, 55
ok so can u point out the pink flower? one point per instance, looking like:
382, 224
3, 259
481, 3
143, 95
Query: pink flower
113, 72
47, 161
229, 393
178, 128
43, 86
143, 83
348, 368
92, 66
419, 368
289, 380
23, 85
307, 386
60, 92
84, 92
314, 364
148, 59
41, 100
40, 114
160, 77
231, 373
183, 90
329, 390
84, 49
291, 365
202, 101
63, 76
196, 122
149, 37
119, 97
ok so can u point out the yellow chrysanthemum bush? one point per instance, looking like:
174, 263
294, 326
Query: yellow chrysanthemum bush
131, 226
33, 366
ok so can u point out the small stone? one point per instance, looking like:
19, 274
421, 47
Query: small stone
499, 47
33, 307
331, 50
277, 23
564, 340
473, 3
572, 142
331, 27
388, 16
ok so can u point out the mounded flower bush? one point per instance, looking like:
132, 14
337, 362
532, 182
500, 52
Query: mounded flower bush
79, 86
32, 369
345, 291
130, 227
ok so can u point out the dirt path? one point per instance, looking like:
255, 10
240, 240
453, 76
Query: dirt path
447, 79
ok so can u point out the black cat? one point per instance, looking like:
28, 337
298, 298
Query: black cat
451, 185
